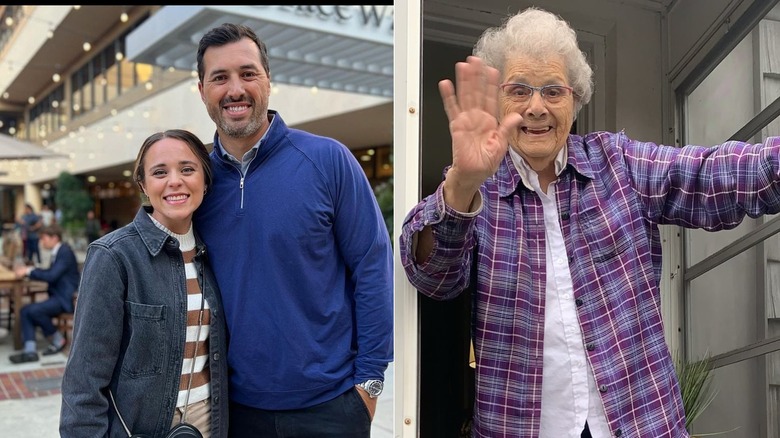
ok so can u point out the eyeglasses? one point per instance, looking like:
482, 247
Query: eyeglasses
522, 93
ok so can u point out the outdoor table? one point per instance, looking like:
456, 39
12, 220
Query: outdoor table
18, 288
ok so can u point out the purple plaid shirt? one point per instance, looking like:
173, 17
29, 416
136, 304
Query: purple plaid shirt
611, 197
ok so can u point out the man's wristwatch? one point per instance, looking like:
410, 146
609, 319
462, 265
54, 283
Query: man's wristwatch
373, 387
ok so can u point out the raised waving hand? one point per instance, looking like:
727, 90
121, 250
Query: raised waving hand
479, 136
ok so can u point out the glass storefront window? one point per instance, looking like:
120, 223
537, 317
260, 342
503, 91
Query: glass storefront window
99, 80
126, 76
77, 96
144, 73
47, 116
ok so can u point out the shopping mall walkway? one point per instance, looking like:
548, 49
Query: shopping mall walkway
30, 396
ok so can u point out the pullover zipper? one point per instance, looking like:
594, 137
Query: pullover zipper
241, 187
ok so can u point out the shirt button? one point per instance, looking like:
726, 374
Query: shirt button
590, 346
578, 302
216, 356
216, 399
565, 216
618, 432
435, 215
603, 388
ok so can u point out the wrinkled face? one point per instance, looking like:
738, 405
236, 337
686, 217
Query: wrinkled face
545, 126
235, 89
174, 182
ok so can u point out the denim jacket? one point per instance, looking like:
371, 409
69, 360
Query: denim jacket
129, 336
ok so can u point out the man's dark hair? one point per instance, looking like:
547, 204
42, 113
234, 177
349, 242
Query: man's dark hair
230, 33
52, 230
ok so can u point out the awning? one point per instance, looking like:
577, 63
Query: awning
340, 47
13, 149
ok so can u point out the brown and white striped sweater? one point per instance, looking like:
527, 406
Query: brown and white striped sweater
200, 389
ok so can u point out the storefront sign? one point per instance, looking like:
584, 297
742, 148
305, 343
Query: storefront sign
373, 16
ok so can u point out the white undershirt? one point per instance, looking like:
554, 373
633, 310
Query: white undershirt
569, 392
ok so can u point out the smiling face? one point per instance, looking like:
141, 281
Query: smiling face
235, 89
174, 182
545, 127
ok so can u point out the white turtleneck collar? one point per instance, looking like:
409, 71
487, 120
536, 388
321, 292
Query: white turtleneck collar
186, 241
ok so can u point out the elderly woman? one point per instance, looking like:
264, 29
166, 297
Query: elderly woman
562, 231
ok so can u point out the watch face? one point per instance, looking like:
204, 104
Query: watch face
374, 387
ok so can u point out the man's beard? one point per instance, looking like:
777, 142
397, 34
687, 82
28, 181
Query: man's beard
241, 131
236, 131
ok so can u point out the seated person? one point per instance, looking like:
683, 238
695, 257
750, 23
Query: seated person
63, 279
12, 245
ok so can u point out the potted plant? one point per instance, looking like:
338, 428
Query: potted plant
384, 197
695, 380
74, 202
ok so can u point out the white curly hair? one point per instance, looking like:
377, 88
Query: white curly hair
538, 34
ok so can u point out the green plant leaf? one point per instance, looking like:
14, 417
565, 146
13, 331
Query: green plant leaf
384, 197
73, 200
695, 381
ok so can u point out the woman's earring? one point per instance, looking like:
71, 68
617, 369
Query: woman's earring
205, 189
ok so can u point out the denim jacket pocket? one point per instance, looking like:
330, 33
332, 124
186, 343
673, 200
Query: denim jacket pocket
146, 340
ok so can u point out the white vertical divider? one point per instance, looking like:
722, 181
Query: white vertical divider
406, 143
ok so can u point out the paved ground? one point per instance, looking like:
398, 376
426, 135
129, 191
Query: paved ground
30, 396
30, 393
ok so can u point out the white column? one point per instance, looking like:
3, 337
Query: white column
32, 196
406, 141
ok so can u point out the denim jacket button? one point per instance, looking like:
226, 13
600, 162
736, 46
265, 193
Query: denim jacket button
216, 357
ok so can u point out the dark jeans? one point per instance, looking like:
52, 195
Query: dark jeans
33, 249
586, 432
346, 416
40, 315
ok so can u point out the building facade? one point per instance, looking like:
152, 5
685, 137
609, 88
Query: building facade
89, 83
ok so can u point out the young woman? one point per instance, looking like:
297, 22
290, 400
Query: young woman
148, 348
